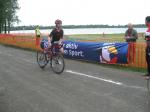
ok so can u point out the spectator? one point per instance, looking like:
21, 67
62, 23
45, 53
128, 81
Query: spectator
38, 35
131, 36
147, 38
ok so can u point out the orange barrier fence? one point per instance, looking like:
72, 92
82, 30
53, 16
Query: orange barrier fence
23, 41
136, 55
136, 51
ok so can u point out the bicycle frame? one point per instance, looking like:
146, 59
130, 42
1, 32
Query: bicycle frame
54, 49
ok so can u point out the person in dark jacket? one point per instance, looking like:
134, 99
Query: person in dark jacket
131, 36
147, 38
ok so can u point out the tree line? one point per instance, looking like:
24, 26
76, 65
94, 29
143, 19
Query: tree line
32, 27
8, 16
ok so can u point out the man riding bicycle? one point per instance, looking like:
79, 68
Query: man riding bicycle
56, 35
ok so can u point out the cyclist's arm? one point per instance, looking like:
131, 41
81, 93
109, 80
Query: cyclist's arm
49, 39
62, 37
61, 40
50, 36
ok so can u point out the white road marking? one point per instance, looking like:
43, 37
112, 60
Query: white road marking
107, 80
102, 79
134, 87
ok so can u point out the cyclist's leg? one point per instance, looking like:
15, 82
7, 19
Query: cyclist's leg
148, 62
61, 50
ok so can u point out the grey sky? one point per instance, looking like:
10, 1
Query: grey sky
76, 12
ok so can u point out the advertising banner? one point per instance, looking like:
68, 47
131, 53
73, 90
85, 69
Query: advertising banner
97, 51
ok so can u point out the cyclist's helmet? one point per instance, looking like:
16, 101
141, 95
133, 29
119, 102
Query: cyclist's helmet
147, 21
58, 21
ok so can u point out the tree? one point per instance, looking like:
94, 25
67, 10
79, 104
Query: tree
8, 10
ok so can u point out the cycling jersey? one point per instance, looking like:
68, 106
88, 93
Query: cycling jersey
56, 34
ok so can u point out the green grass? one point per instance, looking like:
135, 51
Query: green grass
99, 37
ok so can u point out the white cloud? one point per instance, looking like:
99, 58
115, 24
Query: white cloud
44, 12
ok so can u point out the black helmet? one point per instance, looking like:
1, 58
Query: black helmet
58, 21
147, 19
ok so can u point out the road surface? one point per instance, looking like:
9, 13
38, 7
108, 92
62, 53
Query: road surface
83, 87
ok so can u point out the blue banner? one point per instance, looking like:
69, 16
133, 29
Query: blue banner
94, 51
97, 51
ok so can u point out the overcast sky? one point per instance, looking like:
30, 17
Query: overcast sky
83, 12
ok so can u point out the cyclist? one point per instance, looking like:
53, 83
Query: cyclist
56, 34
147, 38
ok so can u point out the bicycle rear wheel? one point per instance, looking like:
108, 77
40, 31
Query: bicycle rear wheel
57, 63
41, 59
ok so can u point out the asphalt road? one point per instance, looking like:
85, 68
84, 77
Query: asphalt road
83, 87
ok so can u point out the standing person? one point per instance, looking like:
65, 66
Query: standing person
38, 35
57, 34
131, 36
147, 38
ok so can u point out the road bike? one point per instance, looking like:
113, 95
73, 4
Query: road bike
53, 56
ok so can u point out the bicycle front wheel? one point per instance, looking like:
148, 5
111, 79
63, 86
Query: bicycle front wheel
58, 63
41, 59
